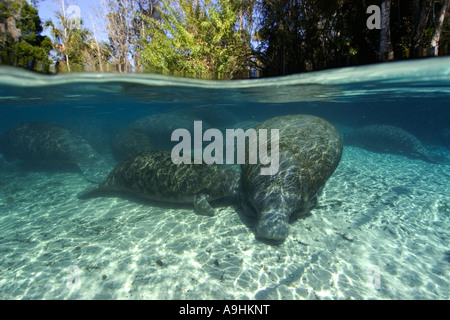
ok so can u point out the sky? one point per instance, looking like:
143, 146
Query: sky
48, 8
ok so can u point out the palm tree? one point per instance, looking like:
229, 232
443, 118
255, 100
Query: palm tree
70, 38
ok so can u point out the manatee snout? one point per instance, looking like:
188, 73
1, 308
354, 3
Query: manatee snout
273, 226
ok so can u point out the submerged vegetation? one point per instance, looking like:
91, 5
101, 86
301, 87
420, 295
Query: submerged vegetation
222, 38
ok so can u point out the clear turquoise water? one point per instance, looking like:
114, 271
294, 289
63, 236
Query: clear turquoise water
380, 232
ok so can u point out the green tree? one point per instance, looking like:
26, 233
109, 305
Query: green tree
21, 42
125, 27
195, 39
96, 56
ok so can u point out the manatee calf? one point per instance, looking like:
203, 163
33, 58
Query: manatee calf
310, 149
390, 139
153, 175
54, 145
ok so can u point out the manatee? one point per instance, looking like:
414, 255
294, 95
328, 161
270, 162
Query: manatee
154, 176
7, 167
43, 143
128, 141
390, 139
215, 116
159, 127
310, 149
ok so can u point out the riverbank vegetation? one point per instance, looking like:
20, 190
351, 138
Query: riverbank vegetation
223, 39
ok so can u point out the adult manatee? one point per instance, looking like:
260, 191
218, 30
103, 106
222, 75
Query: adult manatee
153, 175
390, 139
310, 149
50, 144
127, 142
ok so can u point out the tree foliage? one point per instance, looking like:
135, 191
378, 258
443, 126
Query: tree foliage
124, 26
193, 38
70, 39
298, 36
227, 38
21, 42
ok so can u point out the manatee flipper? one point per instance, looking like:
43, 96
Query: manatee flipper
202, 205
91, 193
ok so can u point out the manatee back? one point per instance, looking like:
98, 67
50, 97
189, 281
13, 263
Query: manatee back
310, 150
153, 175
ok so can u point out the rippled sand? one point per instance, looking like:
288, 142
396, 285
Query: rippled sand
380, 232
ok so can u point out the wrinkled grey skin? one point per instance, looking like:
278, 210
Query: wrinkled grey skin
310, 150
153, 175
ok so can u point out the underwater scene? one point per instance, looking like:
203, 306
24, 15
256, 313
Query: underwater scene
325, 185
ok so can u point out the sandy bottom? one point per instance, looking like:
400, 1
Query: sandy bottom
381, 231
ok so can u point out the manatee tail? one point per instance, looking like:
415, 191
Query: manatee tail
438, 159
95, 192
433, 157
95, 171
